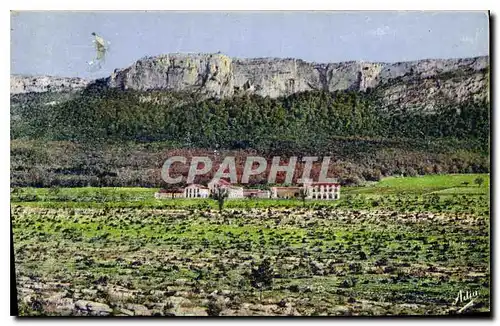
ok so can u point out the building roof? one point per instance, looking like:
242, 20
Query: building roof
254, 190
223, 182
325, 184
171, 191
289, 188
195, 185
311, 184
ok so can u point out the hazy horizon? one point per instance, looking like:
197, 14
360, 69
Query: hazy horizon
60, 43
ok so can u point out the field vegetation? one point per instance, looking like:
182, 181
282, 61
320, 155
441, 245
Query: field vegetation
403, 246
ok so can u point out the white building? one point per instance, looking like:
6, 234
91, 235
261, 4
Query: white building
169, 193
316, 190
323, 190
233, 191
256, 193
289, 192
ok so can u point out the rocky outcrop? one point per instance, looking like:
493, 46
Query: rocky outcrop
435, 91
404, 83
419, 84
207, 73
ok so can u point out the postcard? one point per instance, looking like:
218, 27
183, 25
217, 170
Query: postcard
266, 163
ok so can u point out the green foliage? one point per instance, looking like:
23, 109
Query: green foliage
479, 181
116, 138
410, 194
220, 194
321, 254
214, 308
302, 121
303, 193
261, 277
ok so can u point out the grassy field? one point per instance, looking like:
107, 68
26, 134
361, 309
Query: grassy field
449, 183
446, 186
403, 246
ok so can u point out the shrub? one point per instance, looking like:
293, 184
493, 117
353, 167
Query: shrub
261, 277
214, 308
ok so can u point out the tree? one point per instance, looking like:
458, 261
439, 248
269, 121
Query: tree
304, 193
261, 277
220, 194
479, 181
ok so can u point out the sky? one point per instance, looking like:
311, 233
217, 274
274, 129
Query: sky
60, 43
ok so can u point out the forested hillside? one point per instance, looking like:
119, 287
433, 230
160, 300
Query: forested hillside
306, 121
109, 137
374, 119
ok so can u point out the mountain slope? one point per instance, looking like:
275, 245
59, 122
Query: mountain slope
425, 82
417, 85
374, 119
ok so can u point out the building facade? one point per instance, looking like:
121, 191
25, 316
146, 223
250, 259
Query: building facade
323, 190
234, 192
256, 193
314, 190
169, 193
196, 191
285, 192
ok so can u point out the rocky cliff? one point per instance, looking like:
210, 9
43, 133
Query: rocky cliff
39, 84
417, 84
422, 84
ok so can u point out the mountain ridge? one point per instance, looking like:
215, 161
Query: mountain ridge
409, 85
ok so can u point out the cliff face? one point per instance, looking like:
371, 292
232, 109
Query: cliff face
424, 83
434, 91
220, 76
405, 85
209, 74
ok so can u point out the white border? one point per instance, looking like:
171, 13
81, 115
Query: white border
253, 5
